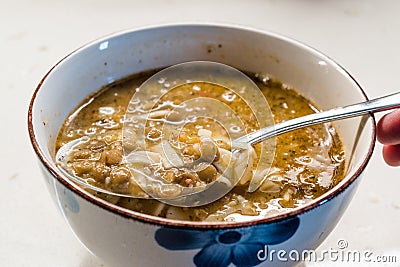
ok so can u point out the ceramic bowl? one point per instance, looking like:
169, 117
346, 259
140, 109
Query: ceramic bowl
121, 237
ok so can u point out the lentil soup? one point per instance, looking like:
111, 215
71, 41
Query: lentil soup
307, 162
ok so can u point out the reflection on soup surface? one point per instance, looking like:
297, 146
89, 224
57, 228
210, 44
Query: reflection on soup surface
307, 162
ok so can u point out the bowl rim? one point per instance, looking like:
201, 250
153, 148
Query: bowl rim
129, 214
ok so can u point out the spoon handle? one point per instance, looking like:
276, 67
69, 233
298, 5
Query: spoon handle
375, 105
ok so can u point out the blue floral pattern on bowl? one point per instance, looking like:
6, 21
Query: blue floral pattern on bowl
220, 248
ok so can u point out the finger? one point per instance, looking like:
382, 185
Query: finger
391, 154
388, 128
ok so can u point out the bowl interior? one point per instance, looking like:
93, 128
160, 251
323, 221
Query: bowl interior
86, 70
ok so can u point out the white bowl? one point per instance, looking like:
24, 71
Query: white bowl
121, 237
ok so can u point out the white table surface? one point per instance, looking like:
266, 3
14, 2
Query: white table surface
363, 36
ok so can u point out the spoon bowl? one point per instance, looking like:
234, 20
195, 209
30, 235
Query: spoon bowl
143, 109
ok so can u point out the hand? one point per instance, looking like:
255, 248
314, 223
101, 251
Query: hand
388, 133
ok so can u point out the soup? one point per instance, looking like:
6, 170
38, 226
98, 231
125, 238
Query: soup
306, 164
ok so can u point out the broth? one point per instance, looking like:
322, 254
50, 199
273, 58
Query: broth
307, 162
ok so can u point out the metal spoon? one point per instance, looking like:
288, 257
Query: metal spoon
375, 105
